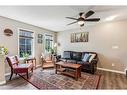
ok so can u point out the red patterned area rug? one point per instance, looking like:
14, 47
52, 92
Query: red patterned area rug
47, 79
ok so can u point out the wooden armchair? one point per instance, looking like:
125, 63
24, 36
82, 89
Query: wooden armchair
17, 68
47, 62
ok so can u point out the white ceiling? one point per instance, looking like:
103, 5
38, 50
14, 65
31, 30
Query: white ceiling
53, 17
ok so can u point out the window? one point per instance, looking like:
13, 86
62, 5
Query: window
25, 43
48, 43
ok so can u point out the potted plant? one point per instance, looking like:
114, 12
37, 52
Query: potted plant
51, 50
3, 50
25, 56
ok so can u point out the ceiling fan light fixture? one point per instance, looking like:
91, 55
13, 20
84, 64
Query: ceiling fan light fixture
83, 18
81, 22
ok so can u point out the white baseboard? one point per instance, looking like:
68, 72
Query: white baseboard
38, 66
2, 82
115, 71
7, 74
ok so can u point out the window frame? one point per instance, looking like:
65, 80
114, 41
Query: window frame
33, 42
45, 41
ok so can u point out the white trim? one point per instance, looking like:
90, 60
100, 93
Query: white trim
2, 82
18, 43
115, 71
34, 43
38, 66
7, 74
45, 41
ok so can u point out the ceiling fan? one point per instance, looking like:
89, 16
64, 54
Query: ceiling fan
84, 17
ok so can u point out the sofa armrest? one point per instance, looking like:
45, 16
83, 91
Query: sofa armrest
59, 58
94, 61
63, 59
94, 65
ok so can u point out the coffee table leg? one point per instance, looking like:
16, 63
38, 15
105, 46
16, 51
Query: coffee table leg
56, 69
76, 74
80, 72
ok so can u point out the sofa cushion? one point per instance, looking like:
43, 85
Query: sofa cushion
76, 56
64, 60
80, 62
67, 55
71, 61
84, 64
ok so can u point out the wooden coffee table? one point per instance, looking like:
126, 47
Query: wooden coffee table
61, 66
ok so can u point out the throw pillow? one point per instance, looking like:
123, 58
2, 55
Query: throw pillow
67, 54
13, 60
91, 57
86, 57
76, 56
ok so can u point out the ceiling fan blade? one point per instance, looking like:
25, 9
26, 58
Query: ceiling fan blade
93, 19
72, 18
89, 13
72, 23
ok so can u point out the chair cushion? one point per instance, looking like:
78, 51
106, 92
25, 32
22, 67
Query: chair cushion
25, 65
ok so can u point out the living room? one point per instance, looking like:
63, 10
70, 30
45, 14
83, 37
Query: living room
48, 30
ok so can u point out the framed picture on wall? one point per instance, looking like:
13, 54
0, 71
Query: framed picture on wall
79, 37
40, 41
40, 38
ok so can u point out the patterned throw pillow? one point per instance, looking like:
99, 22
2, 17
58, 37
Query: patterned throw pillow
91, 57
77, 56
67, 55
86, 57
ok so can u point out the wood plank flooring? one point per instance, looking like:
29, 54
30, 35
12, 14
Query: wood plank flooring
113, 80
17, 83
110, 81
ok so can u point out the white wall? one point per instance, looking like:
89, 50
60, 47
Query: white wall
104, 38
12, 42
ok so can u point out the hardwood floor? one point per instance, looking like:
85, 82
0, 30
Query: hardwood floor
113, 80
17, 83
110, 81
